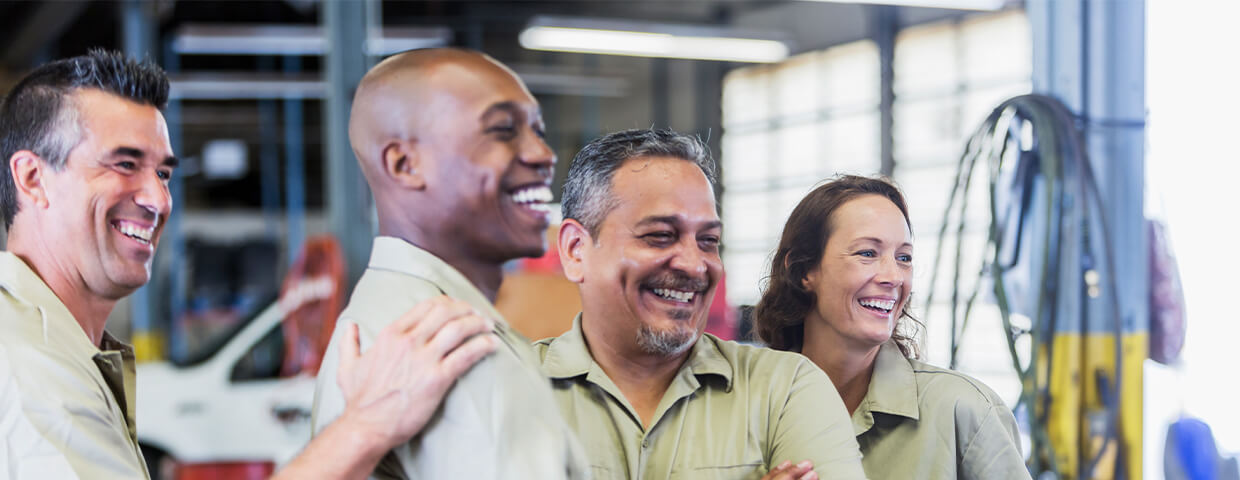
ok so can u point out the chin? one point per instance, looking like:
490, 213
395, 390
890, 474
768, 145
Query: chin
126, 281
666, 341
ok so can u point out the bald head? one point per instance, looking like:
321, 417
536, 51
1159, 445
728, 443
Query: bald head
403, 97
451, 143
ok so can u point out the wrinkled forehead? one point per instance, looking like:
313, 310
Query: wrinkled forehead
665, 187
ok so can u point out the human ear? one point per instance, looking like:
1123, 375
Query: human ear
572, 241
27, 169
809, 280
402, 163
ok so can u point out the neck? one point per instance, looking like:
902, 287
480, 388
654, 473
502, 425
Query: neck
485, 275
849, 366
642, 377
88, 308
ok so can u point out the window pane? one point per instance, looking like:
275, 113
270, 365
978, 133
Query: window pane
851, 76
746, 158
745, 97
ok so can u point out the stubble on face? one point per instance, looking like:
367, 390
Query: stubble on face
668, 341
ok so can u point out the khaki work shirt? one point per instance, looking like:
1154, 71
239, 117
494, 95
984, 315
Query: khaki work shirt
732, 412
498, 421
921, 421
66, 407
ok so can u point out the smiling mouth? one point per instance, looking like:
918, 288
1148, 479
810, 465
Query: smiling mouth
138, 233
680, 296
880, 306
536, 197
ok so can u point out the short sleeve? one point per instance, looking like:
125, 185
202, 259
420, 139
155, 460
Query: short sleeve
814, 425
993, 450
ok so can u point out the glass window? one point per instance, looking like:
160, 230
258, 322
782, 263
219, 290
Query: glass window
264, 360
948, 77
786, 128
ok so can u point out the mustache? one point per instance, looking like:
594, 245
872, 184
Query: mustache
677, 281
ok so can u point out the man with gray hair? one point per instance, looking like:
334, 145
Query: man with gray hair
649, 394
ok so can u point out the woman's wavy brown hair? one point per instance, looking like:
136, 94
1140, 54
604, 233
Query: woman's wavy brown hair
779, 318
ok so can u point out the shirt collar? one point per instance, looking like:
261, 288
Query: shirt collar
893, 385
391, 253
568, 356
116, 363
59, 326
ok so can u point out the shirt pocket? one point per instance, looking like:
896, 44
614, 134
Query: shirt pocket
744, 471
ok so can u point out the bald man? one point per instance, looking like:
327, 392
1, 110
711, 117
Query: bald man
451, 143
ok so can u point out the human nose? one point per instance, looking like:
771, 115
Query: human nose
535, 152
890, 273
153, 195
690, 259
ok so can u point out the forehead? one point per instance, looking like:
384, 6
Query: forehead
869, 216
473, 87
111, 120
662, 186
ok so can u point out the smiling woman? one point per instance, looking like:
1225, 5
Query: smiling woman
838, 293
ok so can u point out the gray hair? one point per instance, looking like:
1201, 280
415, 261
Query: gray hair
587, 191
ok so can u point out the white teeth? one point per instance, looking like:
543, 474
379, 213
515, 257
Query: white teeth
143, 234
538, 194
674, 294
883, 304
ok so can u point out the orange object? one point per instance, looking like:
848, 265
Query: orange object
311, 298
225, 471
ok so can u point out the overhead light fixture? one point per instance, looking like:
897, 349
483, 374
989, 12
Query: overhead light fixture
199, 39
642, 39
947, 4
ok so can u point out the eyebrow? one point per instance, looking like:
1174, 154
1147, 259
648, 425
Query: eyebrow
510, 107
137, 154
507, 106
878, 241
674, 220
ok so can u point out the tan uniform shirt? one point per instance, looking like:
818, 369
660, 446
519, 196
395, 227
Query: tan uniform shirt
66, 408
732, 412
921, 421
498, 421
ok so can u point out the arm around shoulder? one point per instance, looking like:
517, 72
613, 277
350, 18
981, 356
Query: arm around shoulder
814, 425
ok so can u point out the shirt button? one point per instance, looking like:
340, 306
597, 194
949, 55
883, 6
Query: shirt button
646, 443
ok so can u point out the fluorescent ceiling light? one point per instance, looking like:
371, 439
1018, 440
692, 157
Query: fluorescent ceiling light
950, 4
606, 37
294, 40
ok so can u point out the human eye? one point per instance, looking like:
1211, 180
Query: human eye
659, 238
867, 253
164, 175
127, 165
709, 243
504, 126
905, 258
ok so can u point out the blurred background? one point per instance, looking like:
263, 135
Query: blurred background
273, 220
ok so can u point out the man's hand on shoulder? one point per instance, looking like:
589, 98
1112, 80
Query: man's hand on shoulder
393, 388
